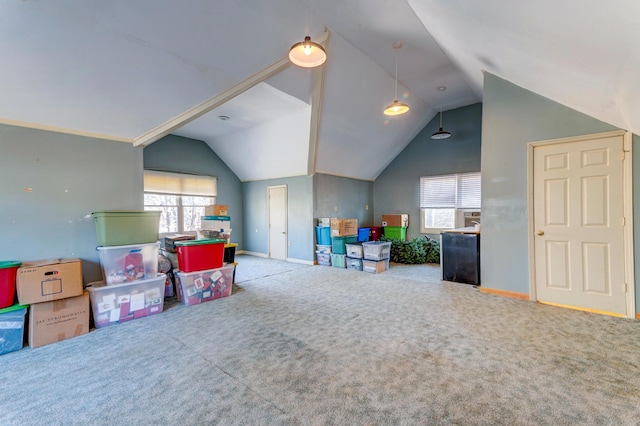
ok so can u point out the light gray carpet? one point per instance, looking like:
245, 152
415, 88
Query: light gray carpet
312, 345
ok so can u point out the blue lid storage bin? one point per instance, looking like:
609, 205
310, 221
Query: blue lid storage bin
12, 328
323, 235
363, 234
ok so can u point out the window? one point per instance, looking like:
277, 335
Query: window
442, 198
181, 198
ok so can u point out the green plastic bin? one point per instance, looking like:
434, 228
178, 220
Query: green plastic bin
338, 244
121, 228
397, 232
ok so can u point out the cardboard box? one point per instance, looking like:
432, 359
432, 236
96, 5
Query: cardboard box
51, 322
344, 227
216, 210
169, 241
47, 280
395, 220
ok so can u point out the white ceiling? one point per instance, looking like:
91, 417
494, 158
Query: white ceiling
122, 69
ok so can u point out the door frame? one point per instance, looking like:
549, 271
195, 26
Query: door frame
286, 219
627, 190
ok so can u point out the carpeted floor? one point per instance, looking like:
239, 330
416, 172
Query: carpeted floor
311, 345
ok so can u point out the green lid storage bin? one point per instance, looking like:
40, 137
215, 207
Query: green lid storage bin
120, 228
396, 232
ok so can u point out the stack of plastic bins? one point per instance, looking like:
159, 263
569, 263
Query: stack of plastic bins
354, 256
323, 255
129, 255
376, 256
202, 275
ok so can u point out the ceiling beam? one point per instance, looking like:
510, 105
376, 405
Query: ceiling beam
317, 90
217, 100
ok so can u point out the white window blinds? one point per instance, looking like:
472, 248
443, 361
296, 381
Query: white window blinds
460, 191
180, 184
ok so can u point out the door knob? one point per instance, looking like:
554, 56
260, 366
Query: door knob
540, 232
284, 232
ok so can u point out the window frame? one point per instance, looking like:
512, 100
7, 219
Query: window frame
455, 205
179, 185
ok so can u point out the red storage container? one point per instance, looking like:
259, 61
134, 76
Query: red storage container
198, 255
376, 233
8, 271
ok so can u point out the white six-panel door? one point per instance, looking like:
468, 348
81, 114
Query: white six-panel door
578, 224
277, 222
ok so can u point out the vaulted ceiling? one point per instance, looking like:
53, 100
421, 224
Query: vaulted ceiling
134, 71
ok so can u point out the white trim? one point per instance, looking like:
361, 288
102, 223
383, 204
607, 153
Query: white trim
300, 261
317, 90
64, 130
530, 225
629, 256
253, 253
215, 101
627, 182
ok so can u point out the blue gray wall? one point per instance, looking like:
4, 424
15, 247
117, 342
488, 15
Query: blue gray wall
397, 188
299, 216
512, 117
343, 198
71, 177
183, 155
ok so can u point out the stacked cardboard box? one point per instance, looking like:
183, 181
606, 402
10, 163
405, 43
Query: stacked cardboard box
59, 306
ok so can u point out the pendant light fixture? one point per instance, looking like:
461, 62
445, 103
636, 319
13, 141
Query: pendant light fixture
441, 134
396, 107
307, 54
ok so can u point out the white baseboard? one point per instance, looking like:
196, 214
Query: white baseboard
253, 253
289, 259
304, 262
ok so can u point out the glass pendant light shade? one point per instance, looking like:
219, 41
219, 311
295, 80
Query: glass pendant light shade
307, 54
396, 108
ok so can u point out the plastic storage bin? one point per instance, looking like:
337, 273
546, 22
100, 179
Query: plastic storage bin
230, 252
125, 302
120, 228
123, 264
323, 249
376, 250
338, 260
375, 266
376, 233
354, 263
364, 234
323, 235
396, 232
203, 286
354, 250
200, 255
12, 328
338, 243
323, 258
8, 271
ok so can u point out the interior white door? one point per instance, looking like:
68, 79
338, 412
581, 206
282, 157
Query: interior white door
277, 222
578, 222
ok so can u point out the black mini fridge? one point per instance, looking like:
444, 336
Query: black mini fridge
460, 257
